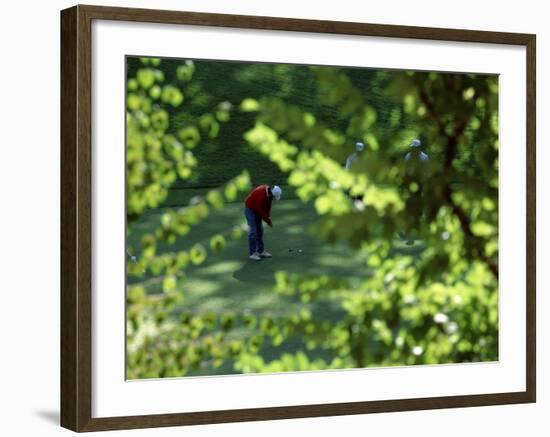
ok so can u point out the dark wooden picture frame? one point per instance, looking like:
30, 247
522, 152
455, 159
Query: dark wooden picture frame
76, 218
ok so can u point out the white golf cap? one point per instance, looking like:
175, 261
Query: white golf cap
359, 146
415, 143
277, 192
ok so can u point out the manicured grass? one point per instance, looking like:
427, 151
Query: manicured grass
230, 281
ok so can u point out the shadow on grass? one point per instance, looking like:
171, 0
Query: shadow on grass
252, 272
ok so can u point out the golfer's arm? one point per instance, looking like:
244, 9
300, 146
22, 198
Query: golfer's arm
348, 164
266, 213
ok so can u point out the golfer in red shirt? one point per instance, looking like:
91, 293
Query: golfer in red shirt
258, 208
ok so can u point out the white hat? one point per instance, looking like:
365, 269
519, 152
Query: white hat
277, 192
415, 143
359, 146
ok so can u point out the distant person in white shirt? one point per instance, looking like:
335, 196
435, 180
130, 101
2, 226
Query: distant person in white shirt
416, 172
416, 153
359, 147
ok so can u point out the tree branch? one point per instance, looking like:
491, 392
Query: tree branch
450, 154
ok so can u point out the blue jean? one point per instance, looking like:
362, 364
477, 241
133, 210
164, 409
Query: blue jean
255, 232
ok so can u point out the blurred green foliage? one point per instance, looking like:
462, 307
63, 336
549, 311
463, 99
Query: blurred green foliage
241, 124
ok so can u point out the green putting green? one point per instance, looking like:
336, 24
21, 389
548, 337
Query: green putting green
230, 281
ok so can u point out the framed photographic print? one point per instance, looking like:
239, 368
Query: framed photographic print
268, 218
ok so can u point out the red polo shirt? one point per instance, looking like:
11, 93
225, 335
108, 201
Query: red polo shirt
259, 201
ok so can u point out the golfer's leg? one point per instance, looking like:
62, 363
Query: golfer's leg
259, 234
415, 213
251, 219
421, 201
